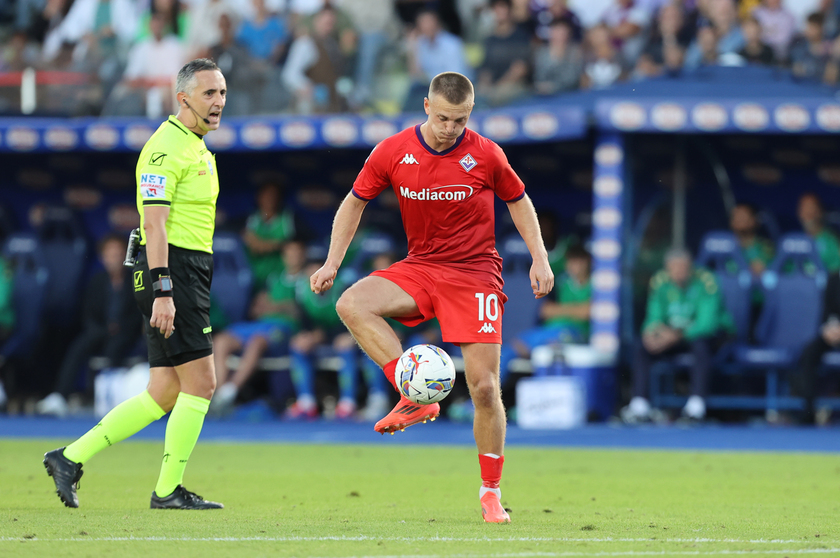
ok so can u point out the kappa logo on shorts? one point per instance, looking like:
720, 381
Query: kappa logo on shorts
138, 280
487, 328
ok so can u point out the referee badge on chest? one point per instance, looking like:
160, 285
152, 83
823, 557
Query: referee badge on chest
468, 162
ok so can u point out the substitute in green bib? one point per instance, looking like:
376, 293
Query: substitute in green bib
177, 187
810, 213
565, 319
274, 319
685, 313
758, 251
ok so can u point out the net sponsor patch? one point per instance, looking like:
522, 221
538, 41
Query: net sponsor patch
152, 186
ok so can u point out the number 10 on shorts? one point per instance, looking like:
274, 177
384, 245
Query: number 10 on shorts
488, 305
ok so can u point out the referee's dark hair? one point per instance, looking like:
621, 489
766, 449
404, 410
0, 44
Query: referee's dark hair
454, 87
185, 83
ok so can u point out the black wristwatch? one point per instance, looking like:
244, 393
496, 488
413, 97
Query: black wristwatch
161, 282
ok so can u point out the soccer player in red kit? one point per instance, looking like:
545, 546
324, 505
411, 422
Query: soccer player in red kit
445, 177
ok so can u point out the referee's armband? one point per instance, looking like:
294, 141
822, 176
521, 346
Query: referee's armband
161, 282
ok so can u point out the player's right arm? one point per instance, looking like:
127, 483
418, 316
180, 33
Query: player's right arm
372, 180
344, 229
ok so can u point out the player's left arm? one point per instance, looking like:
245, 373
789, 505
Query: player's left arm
525, 218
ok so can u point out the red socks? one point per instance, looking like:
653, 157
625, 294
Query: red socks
491, 469
389, 370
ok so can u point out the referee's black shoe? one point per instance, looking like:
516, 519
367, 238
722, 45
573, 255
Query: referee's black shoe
66, 475
183, 499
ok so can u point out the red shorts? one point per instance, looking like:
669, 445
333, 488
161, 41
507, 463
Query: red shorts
468, 303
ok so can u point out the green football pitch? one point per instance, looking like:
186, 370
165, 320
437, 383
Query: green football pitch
356, 500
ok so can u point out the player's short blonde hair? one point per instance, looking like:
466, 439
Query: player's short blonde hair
454, 87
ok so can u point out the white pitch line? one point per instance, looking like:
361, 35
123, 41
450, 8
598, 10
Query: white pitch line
571, 554
363, 538
627, 553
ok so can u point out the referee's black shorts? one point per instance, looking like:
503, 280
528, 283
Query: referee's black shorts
192, 273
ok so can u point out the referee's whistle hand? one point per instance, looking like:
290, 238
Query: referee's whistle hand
322, 280
163, 316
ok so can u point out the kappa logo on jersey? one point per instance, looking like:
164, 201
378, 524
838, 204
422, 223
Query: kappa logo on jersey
468, 162
450, 192
487, 328
152, 186
409, 160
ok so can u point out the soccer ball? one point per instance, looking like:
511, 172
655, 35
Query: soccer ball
425, 374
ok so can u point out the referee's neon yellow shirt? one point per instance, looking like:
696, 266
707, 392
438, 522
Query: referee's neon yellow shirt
177, 170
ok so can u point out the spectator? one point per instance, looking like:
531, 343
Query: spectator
111, 325
809, 54
431, 51
205, 29
546, 12
804, 379
507, 53
685, 312
674, 56
344, 30
646, 68
627, 23
724, 19
375, 22
264, 35
603, 65
321, 326
755, 51
171, 12
757, 251
148, 76
275, 319
109, 21
564, 320
810, 213
670, 30
247, 76
778, 26
265, 232
726, 38
314, 64
7, 314
704, 51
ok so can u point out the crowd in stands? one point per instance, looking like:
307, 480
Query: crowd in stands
314, 56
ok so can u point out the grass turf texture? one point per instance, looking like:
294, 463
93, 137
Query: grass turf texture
313, 500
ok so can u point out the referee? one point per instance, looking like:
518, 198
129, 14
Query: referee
177, 187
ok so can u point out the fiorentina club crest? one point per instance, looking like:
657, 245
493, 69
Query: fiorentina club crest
468, 162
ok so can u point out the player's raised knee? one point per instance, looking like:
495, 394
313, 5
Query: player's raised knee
348, 305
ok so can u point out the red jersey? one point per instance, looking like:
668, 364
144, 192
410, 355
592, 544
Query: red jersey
446, 198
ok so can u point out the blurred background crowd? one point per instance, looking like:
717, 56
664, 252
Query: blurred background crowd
117, 57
